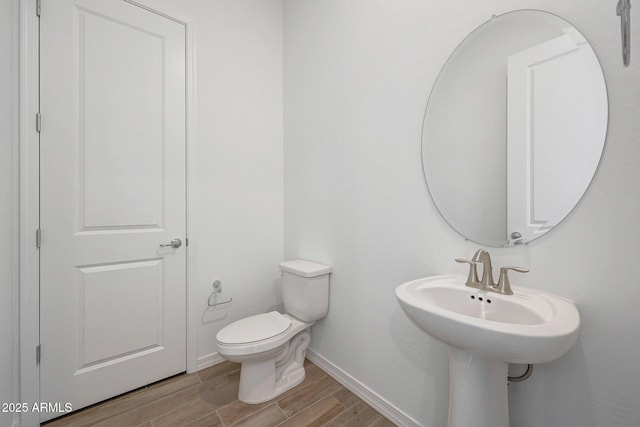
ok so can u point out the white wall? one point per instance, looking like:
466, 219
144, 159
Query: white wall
357, 78
8, 222
236, 193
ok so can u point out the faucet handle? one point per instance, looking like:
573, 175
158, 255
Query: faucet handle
503, 286
472, 278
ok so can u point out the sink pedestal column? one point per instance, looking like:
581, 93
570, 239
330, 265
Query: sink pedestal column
477, 390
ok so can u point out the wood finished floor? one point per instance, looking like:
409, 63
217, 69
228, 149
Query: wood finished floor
210, 398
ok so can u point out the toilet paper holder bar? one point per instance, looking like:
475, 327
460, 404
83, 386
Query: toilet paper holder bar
217, 290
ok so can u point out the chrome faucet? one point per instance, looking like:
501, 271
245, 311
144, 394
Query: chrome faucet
486, 283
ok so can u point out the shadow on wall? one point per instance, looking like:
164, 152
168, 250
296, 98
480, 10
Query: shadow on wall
221, 312
570, 378
430, 357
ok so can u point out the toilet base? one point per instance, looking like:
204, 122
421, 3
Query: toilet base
264, 379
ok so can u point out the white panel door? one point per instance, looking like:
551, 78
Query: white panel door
113, 165
553, 111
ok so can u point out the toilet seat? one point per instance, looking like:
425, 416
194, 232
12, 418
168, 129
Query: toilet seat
257, 334
254, 328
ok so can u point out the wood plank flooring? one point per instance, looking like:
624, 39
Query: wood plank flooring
208, 398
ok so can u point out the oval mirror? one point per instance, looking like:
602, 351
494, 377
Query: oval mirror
514, 128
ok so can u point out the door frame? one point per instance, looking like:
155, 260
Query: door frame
29, 206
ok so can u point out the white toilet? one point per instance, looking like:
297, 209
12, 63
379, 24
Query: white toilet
272, 346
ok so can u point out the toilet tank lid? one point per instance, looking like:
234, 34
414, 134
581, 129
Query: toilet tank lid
304, 268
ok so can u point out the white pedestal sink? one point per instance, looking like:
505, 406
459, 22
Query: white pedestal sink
486, 331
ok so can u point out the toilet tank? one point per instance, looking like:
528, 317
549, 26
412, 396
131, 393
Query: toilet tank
305, 289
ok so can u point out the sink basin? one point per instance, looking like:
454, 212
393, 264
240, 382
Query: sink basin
485, 332
529, 326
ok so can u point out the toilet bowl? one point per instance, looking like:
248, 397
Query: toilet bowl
272, 354
272, 346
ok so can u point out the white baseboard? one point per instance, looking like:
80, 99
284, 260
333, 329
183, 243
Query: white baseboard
208, 361
374, 400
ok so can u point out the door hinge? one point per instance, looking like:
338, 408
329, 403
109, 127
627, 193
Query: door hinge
38, 122
38, 238
38, 353
38, 8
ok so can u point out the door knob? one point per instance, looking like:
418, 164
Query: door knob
175, 244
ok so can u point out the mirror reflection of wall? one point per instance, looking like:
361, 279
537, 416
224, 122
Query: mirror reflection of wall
514, 128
